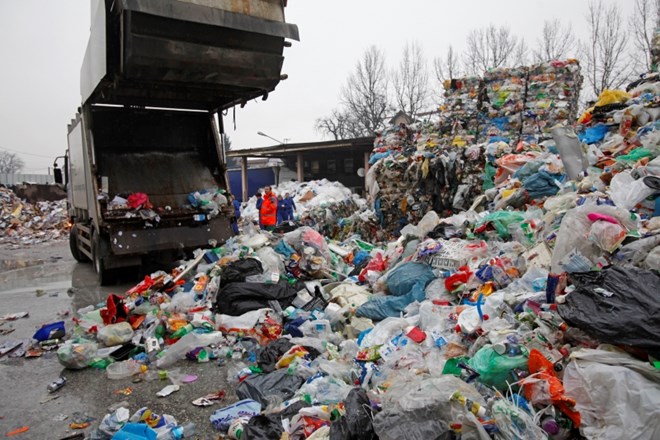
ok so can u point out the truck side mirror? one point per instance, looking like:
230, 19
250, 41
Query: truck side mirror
57, 173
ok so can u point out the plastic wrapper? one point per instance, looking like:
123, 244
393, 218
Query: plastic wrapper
616, 305
222, 418
77, 354
604, 385
115, 334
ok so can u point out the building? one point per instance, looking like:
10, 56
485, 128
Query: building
345, 161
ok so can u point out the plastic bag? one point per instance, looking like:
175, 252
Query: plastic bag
626, 192
239, 298
263, 427
77, 354
501, 220
607, 236
261, 387
495, 369
115, 334
421, 408
616, 305
404, 277
604, 385
573, 231
356, 423
187, 343
115, 310
323, 390
270, 260
381, 307
238, 270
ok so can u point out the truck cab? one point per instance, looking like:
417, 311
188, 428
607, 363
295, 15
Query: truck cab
156, 76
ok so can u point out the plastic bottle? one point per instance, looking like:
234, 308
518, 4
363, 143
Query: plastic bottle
179, 432
182, 331
121, 370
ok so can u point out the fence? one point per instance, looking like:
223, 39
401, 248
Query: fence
15, 179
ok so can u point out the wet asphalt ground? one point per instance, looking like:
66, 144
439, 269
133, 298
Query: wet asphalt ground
45, 281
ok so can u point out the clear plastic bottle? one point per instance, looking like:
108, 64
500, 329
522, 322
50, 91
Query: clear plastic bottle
179, 432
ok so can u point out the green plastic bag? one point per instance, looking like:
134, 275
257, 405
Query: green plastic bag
635, 155
495, 369
501, 221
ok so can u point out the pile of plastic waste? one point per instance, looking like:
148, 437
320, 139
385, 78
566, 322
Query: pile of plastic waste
505, 117
530, 314
23, 223
329, 207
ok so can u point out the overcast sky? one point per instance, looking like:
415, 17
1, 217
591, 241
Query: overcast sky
42, 43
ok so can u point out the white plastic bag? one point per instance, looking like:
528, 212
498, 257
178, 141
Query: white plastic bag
617, 396
626, 192
115, 334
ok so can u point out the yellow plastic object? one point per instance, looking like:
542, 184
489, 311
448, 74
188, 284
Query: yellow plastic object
608, 97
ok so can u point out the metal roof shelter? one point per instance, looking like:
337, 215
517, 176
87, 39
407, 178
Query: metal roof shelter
326, 150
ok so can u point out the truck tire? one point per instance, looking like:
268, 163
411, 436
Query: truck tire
99, 250
73, 246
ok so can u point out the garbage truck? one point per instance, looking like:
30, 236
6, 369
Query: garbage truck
155, 79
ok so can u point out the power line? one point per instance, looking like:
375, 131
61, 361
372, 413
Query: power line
27, 154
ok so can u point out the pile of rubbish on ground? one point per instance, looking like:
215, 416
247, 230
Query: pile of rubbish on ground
329, 207
506, 116
530, 313
23, 223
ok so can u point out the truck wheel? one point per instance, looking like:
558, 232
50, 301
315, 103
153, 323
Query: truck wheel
73, 246
99, 250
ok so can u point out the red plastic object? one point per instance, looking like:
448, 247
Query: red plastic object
544, 369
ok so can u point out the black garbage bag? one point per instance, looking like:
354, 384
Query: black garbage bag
356, 424
422, 423
262, 386
237, 271
263, 427
618, 305
271, 353
238, 298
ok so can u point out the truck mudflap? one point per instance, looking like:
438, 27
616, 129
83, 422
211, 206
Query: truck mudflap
127, 240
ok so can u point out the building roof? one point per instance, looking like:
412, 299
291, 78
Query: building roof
365, 144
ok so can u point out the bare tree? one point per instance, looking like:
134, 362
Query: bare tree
604, 52
521, 53
365, 96
411, 80
10, 163
555, 43
338, 125
642, 23
448, 67
488, 48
